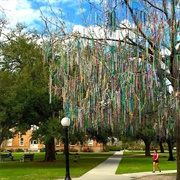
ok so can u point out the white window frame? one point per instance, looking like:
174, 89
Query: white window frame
90, 142
21, 141
9, 142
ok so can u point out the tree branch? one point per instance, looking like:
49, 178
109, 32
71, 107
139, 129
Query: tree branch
137, 24
165, 9
152, 5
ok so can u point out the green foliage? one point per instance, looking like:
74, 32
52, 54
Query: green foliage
20, 48
146, 133
23, 59
77, 135
7, 95
47, 130
100, 134
19, 150
113, 148
43, 150
24, 96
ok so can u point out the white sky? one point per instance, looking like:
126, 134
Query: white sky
19, 11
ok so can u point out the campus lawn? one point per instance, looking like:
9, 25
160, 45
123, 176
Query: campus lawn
37, 169
133, 162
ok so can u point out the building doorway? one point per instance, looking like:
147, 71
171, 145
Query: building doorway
33, 145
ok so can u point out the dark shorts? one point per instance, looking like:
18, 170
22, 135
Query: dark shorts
156, 161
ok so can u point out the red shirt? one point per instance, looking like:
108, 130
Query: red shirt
155, 156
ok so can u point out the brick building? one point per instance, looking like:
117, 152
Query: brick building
27, 143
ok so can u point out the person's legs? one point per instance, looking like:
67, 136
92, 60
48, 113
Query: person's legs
157, 165
154, 167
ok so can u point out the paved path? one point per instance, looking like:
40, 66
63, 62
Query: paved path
107, 169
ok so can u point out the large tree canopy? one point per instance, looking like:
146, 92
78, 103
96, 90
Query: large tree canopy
7, 121
25, 92
116, 72
121, 69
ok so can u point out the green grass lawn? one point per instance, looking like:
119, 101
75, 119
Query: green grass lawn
131, 162
137, 162
16, 170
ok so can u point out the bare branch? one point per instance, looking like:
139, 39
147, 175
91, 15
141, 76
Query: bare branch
137, 23
165, 9
156, 7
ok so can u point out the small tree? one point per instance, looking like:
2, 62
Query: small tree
101, 134
77, 136
147, 134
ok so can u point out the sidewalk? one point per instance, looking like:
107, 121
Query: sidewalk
107, 169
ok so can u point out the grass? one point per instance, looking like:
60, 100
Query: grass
130, 163
37, 169
133, 162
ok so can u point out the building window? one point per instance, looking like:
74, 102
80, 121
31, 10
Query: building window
90, 142
34, 141
9, 142
21, 142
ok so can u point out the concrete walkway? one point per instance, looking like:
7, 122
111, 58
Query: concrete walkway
107, 169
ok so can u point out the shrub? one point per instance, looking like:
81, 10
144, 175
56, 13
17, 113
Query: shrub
10, 150
86, 149
43, 150
2, 149
73, 150
19, 150
105, 150
113, 148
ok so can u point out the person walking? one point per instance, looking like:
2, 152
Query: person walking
156, 161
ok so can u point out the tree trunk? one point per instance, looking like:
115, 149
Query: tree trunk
161, 147
178, 134
147, 148
50, 151
171, 157
178, 151
104, 146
